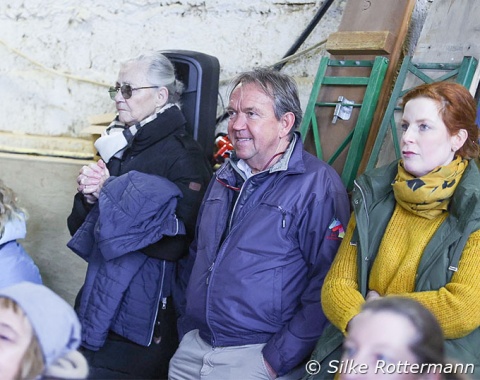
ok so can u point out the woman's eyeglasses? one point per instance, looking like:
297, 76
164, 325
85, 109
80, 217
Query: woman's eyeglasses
126, 90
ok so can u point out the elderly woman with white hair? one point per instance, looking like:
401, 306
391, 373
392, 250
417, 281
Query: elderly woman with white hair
133, 219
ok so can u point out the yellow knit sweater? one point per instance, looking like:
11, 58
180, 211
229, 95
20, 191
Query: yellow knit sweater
456, 306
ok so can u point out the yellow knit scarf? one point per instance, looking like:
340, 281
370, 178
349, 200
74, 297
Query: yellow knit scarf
428, 196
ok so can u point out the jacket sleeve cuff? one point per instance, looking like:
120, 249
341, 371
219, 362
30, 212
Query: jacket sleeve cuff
272, 356
285, 351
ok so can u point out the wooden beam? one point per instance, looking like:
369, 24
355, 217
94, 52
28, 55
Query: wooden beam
377, 42
103, 119
52, 146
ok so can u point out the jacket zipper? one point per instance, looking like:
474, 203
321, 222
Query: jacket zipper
164, 304
364, 206
363, 198
211, 267
284, 216
220, 252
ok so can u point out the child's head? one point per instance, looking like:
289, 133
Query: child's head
9, 207
20, 353
36, 328
393, 330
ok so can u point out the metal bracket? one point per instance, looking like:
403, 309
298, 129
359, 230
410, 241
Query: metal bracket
343, 109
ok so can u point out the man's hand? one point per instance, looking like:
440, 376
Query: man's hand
270, 370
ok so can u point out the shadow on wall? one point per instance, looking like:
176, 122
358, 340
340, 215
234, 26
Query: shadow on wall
45, 187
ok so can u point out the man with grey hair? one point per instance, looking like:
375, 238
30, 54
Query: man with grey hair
267, 232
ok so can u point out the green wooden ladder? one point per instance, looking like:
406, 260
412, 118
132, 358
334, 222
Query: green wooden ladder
462, 73
358, 135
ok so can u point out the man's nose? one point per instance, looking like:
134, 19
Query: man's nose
238, 122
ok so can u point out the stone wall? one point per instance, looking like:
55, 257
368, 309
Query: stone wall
59, 56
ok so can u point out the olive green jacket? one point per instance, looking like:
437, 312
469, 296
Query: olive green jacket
373, 203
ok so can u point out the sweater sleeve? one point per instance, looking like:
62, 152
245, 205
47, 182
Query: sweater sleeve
456, 304
340, 297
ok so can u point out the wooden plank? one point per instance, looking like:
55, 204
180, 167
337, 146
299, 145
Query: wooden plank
450, 32
96, 130
390, 16
359, 42
103, 119
54, 146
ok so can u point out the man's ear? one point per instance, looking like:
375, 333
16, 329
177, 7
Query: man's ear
287, 120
